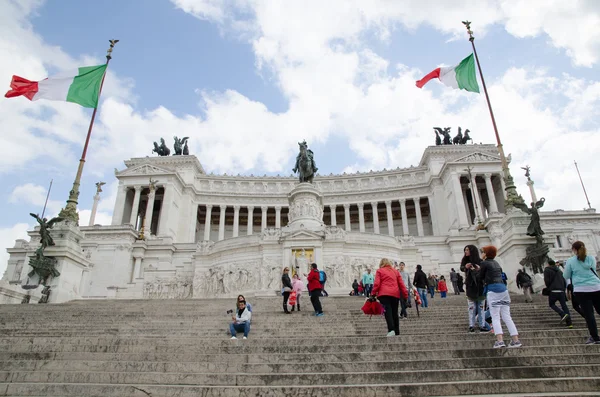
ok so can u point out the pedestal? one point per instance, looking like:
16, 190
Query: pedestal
306, 208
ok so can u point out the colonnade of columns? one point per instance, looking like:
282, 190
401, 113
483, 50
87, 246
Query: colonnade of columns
266, 218
478, 205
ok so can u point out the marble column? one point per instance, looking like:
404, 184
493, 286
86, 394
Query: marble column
135, 209
490, 191
165, 210
250, 220
347, 217
404, 217
417, 202
460, 201
223, 209
94, 209
119, 205
361, 217
149, 212
466, 205
477, 198
375, 218
531, 191
390, 217
278, 217
432, 215
207, 222
332, 209
236, 220
263, 223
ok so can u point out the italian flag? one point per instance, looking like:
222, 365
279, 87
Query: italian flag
461, 76
80, 86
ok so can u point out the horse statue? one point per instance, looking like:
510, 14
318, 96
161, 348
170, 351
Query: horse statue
178, 146
457, 140
466, 138
438, 140
305, 164
161, 150
446, 133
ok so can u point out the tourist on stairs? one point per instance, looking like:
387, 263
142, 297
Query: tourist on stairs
241, 298
524, 281
298, 286
580, 269
555, 290
490, 274
314, 289
420, 281
474, 288
241, 321
454, 281
389, 289
406, 279
442, 287
431, 284
367, 280
287, 288
355, 287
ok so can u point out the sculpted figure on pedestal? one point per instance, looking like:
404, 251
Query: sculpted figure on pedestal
305, 163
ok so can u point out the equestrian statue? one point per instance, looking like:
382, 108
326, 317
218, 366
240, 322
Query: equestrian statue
305, 163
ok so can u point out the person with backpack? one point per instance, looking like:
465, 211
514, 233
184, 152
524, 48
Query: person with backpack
389, 288
454, 281
323, 280
314, 288
490, 275
367, 280
580, 269
555, 291
524, 281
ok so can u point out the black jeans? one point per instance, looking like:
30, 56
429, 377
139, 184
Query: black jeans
390, 303
286, 296
561, 297
590, 301
403, 305
314, 299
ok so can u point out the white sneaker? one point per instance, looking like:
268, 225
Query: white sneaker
233, 337
391, 333
244, 337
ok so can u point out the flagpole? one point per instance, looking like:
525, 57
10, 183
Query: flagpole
70, 210
47, 196
512, 196
582, 185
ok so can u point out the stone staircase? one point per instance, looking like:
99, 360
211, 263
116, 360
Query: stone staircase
181, 348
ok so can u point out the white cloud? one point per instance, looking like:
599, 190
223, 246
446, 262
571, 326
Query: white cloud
7, 239
35, 195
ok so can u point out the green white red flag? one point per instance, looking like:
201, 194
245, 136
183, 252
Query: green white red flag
461, 76
81, 86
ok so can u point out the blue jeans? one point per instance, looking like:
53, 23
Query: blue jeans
443, 294
432, 291
423, 294
243, 327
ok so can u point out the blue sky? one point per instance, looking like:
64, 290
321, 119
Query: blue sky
246, 80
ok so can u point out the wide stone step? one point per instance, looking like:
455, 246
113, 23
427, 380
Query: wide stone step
233, 366
520, 387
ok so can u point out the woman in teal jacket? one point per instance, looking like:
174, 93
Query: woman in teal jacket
580, 268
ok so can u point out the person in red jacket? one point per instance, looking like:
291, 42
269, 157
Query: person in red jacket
389, 289
442, 287
315, 289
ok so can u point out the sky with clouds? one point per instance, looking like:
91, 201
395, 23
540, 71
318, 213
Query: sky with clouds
246, 80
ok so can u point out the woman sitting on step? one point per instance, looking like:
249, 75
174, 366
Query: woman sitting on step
389, 289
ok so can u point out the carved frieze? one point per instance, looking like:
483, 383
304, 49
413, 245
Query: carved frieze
334, 233
204, 247
171, 288
271, 233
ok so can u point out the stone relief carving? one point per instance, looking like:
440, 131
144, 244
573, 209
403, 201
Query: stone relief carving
342, 270
305, 207
475, 157
271, 233
406, 241
235, 277
145, 169
204, 246
174, 288
496, 233
334, 233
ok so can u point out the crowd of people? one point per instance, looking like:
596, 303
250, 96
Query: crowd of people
485, 287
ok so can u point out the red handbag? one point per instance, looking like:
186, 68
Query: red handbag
373, 308
292, 299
